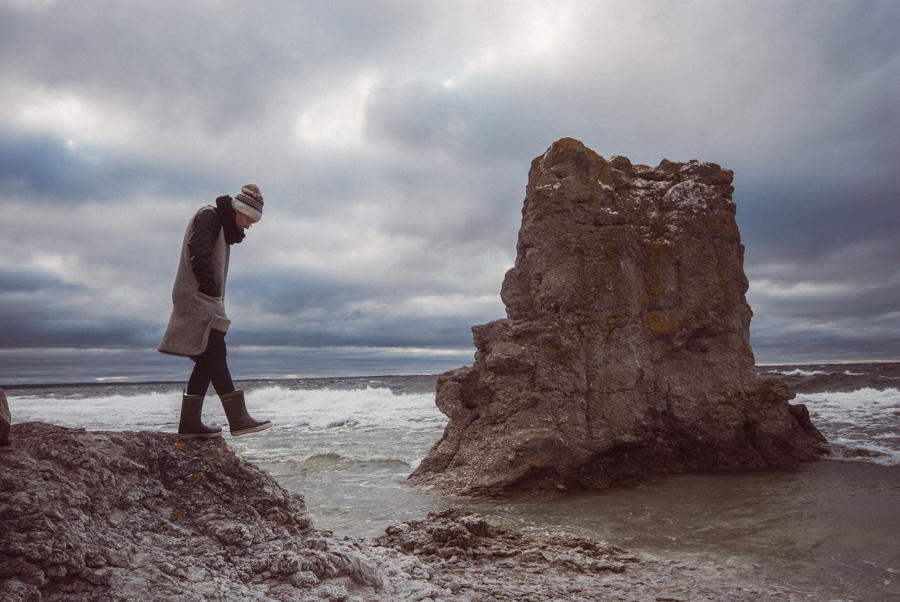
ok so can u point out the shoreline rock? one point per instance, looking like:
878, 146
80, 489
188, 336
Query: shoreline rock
140, 516
625, 350
105, 515
5, 419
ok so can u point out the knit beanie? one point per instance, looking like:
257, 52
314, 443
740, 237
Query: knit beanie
249, 201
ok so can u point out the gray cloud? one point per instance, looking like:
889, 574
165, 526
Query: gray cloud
392, 142
66, 365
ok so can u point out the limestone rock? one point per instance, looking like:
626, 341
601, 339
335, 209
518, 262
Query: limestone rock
150, 516
462, 557
5, 419
625, 350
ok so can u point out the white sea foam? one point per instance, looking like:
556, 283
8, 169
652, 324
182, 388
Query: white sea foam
356, 408
147, 411
323, 408
378, 425
862, 402
866, 418
798, 372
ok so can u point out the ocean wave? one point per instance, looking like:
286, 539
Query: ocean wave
334, 409
146, 411
866, 419
808, 373
799, 372
292, 462
864, 399
376, 424
836, 377
848, 450
357, 409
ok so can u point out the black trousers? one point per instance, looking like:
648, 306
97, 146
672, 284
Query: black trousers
211, 367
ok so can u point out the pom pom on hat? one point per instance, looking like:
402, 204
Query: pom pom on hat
249, 201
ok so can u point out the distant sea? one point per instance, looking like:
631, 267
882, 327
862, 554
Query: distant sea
830, 529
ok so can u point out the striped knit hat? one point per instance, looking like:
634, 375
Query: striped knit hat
249, 201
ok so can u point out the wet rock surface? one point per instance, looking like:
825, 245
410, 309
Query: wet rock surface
152, 516
5, 419
625, 350
472, 560
132, 516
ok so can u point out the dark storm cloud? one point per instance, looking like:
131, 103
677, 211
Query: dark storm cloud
16, 283
42, 312
295, 307
418, 114
851, 299
817, 221
68, 365
363, 331
392, 142
211, 64
44, 329
62, 365
154, 54
58, 170
44, 165
844, 339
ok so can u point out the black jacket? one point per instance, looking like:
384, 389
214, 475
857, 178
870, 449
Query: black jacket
204, 232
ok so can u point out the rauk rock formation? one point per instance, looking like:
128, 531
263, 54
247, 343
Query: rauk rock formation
625, 350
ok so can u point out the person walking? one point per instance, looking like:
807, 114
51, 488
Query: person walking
198, 322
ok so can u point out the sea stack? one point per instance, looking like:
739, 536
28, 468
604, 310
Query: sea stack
625, 350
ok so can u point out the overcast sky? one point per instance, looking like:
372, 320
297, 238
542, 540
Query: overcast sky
392, 140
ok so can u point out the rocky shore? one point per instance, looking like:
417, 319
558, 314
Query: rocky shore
150, 516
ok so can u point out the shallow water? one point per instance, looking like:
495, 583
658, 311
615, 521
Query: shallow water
828, 524
834, 523
349, 444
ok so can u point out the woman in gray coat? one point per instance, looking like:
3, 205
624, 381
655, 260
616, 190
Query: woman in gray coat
198, 323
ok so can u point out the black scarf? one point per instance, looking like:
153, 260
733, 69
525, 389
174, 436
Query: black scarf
233, 234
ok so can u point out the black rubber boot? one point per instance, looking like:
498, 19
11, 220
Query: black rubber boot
190, 424
239, 421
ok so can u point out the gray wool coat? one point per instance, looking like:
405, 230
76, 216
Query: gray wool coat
194, 314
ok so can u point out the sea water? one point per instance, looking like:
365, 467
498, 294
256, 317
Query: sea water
830, 530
